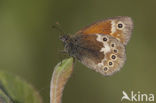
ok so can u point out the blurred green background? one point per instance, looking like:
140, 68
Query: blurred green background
29, 47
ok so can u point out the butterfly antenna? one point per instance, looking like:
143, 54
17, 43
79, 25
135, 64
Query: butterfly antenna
57, 27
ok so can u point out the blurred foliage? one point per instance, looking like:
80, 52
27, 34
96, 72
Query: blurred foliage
29, 47
15, 90
4, 98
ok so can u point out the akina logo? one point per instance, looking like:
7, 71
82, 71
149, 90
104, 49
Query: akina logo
137, 97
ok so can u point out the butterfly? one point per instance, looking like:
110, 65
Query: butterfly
101, 45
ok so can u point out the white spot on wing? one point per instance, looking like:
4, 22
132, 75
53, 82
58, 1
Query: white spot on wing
100, 64
99, 38
113, 30
106, 48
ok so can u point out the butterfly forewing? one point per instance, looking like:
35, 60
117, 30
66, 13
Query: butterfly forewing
119, 27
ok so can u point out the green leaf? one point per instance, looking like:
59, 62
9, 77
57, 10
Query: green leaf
4, 98
15, 90
61, 74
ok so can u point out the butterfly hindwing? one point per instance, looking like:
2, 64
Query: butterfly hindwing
114, 52
100, 52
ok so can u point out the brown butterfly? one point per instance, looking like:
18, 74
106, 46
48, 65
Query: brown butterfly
101, 45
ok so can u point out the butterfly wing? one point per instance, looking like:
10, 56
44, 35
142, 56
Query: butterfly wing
101, 45
119, 27
100, 52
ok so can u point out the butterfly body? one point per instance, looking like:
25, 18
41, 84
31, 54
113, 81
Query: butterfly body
100, 46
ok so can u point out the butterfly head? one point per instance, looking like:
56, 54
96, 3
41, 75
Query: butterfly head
68, 44
65, 38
